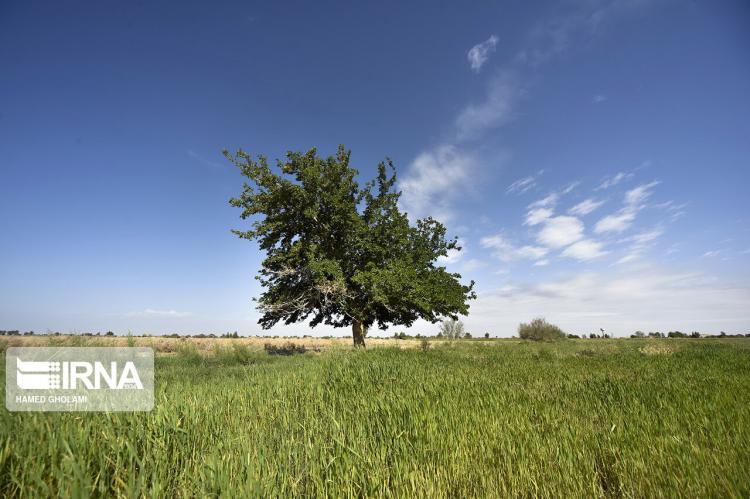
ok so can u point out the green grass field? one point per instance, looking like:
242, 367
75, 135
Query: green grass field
632, 418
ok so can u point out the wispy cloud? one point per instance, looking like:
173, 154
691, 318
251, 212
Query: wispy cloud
524, 184
551, 199
495, 110
151, 312
598, 98
434, 179
585, 207
639, 243
203, 160
614, 180
643, 238
712, 253
585, 250
623, 219
617, 222
506, 252
546, 202
554, 35
438, 176
635, 197
453, 255
479, 53
537, 216
674, 210
471, 264
570, 187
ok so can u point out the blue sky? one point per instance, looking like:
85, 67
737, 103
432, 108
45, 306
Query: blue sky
591, 155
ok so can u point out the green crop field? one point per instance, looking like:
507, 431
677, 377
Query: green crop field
577, 418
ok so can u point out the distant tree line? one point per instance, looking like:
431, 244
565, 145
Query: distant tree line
538, 329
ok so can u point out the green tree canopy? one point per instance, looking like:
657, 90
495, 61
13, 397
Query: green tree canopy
340, 253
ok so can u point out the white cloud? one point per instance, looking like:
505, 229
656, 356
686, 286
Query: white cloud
549, 39
551, 199
537, 216
531, 252
614, 180
472, 264
640, 194
203, 160
615, 223
585, 250
524, 184
711, 254
560, 231
644, 238
434, 179
151, 312
496, 241
598, 98
675, 210
548, 201
621, 302
479, 53
639, 243
496, 109
553, 36
454, 255
507, 252
570, 187
437, 176
624, 218
541, 263
630, 257
585, 207
542, 210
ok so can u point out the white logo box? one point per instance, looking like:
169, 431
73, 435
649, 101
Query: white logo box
79, 379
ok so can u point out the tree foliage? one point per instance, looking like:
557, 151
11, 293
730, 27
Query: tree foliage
339, 253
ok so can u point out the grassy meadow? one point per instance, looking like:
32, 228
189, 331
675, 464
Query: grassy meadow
502, 418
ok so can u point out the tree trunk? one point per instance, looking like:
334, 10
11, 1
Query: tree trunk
358, 333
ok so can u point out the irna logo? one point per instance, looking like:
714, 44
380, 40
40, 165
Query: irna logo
41, 375
79, 379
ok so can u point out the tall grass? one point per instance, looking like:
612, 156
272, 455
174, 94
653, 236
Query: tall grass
579, 418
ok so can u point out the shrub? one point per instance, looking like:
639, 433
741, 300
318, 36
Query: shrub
285, 349
236, 354
540, 330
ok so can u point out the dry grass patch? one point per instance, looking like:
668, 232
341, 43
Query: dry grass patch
658, 349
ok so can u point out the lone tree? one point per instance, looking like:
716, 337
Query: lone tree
341, 253
452, 329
